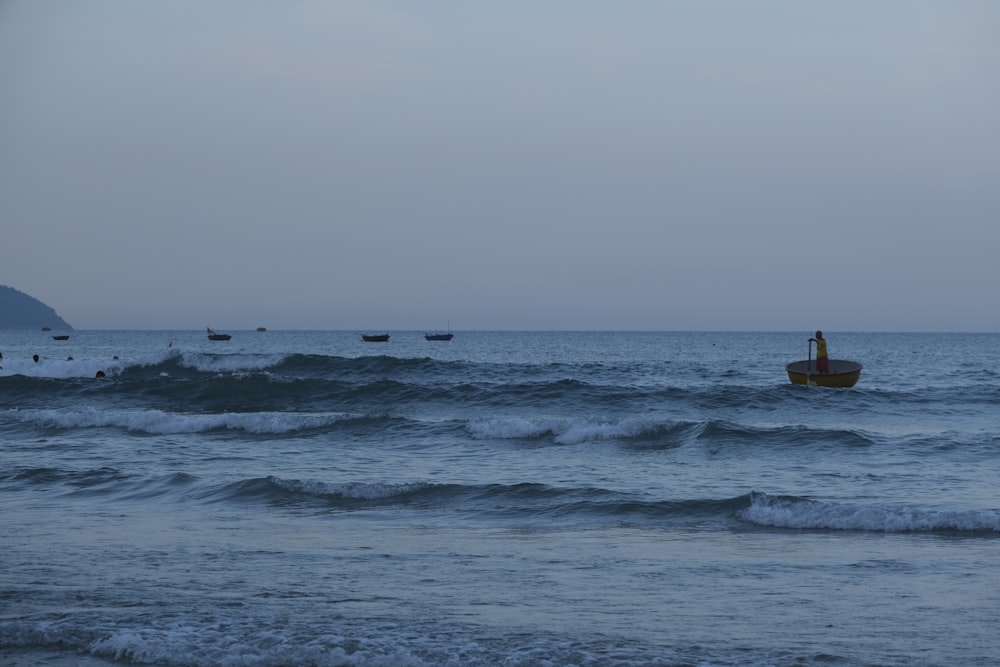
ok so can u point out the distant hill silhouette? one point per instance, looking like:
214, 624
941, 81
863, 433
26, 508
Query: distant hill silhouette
20, 311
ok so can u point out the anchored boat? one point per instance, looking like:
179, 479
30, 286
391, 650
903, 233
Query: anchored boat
440, 336
217, 336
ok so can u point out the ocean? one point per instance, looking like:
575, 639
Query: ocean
303, 498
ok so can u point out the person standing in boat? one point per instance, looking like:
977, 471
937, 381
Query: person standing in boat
822, 360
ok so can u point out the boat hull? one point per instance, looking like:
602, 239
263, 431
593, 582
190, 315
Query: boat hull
380, 338
445, 336
843, 373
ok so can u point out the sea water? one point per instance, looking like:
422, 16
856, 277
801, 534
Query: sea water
505, 498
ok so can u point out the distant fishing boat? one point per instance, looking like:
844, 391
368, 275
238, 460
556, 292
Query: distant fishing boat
217, 336
261, 329
375, 338
61, 337
440, 336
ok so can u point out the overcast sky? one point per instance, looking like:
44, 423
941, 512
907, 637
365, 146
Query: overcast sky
543, 164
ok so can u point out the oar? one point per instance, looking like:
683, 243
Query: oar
809, 359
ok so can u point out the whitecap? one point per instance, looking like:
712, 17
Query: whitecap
804, 513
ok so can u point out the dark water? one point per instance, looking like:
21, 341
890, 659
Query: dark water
304, 498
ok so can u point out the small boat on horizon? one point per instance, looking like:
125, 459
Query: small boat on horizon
60, 337
440, 336
375, 338
261, 329
217, 336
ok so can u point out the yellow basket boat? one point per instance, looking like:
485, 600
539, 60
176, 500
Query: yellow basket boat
842, 373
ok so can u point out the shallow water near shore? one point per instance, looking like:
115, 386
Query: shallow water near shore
518, 498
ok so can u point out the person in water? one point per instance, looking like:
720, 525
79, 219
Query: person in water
822, 360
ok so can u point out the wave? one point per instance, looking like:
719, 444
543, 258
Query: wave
45, 475
631, 432
654, 432
100, 482
242, 382
573, 431
346, 495
246, 381
521, 501
539, 501
159, 422
803, 513
235, 637
524, 501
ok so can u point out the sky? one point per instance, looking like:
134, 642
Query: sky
552, 164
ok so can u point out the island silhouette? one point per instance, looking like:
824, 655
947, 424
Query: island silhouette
20, 311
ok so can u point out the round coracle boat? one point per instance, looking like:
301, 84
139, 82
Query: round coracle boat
843, 373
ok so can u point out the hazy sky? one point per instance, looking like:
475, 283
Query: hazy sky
543, 164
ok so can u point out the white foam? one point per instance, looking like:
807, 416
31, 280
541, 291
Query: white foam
564, 431
230, 363
218, 645
165, 423
88, 367
801, 513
